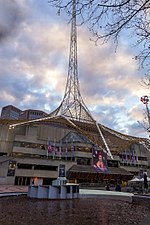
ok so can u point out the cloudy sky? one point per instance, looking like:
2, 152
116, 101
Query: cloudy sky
34, 49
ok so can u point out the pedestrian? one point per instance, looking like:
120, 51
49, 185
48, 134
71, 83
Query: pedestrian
145, 183
118, 188
107, 187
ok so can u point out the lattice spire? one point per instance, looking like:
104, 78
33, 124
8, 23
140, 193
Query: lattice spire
72, 105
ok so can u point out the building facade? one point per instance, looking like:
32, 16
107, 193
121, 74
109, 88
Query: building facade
10, 112
30, 114
33, 153
13, 113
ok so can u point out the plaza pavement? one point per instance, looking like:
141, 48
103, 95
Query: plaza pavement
124, 196
12, 190
6, 190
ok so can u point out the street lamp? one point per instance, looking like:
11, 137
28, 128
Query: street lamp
145, 101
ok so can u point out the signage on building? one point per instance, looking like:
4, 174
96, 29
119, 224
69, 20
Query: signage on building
62, 172
11, 168
100, 160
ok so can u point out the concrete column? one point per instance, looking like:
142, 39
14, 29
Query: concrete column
63, 192
33, 191
69, 195
53, 192
43, 191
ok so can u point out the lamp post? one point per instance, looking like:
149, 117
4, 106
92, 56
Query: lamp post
145, 101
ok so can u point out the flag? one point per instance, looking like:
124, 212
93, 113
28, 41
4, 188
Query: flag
130, 156
54, 150
60, 150
133, 156
123, 156
137, 157
126, 157
72, 151
66, 152
49, 148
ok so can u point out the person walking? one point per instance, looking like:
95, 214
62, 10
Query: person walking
145, 183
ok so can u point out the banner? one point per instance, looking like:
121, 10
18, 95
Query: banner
11, 168
62, 172
100, 160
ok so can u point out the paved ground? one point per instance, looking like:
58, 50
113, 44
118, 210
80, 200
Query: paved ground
14, 189
20, 210
124, 196
140, 211
7, 190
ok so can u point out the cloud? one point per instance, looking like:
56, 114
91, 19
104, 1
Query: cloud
12, 14
34, 67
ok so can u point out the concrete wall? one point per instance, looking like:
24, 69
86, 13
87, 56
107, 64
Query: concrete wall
40, 135
6, 139
51, 132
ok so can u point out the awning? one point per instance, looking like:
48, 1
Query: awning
89, 173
